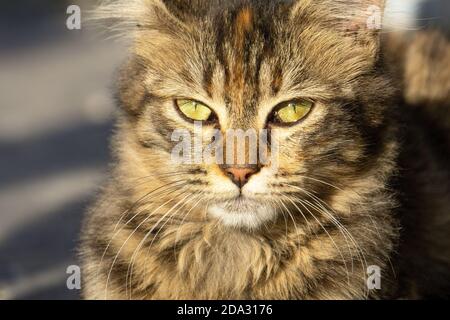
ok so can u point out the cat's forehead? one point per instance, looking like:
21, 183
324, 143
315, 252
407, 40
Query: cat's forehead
245, 42
246, 53
234, 54
214, 8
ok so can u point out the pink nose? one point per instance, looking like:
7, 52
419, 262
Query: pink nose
240, 176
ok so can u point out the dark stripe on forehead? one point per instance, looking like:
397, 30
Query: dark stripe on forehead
208, 78
277, 80
246, 37
247, 43
241, 42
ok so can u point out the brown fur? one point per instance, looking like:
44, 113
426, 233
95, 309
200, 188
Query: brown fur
366, 185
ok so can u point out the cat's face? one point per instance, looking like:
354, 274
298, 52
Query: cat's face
298, 69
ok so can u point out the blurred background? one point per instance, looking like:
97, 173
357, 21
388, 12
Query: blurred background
56, 112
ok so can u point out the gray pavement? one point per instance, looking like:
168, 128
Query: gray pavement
55, 121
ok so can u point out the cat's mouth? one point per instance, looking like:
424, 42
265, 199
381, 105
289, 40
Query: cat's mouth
242, 212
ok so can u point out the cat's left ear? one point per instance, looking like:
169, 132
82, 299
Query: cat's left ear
359, 19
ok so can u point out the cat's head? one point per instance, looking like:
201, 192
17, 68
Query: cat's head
307, 72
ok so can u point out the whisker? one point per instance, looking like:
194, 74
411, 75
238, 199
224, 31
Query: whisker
343, 229
334, 220
163, 188
329, 236
141, 243
129, 237
284, 217
126, 212
188, 212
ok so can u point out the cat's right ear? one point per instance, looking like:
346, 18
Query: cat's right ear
127, 18
157, 37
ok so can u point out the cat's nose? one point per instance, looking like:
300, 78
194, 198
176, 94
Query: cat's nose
240, 176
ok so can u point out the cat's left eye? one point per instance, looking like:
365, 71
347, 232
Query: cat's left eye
291, 112
194, 110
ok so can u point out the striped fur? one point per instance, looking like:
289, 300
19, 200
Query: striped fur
341, 189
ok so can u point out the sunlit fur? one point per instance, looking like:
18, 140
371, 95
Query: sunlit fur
308, 230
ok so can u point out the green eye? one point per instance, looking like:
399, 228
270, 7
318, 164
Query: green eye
293, 111
194, 110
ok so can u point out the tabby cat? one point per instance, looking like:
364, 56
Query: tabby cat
361, 185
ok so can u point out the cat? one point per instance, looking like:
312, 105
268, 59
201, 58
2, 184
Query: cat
357, 204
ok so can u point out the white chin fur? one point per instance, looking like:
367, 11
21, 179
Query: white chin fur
250, 217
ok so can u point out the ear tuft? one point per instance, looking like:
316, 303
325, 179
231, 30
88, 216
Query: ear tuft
353, 16
126, 17
359, 15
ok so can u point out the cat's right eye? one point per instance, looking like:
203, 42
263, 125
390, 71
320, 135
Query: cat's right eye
195, 110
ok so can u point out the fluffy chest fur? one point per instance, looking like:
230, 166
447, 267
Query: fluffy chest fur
307, 257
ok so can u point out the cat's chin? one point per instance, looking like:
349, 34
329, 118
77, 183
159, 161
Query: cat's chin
242, 213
